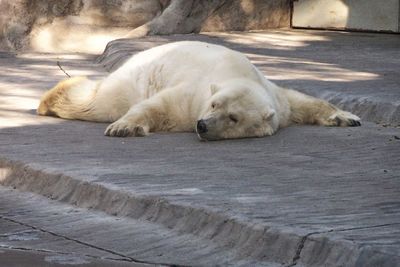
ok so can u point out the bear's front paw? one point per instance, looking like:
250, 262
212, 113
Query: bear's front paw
344, 118
124, 129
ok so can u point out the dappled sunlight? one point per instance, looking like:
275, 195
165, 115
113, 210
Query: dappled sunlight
54, 56
4, 173
25, 77
41, 64
28, 69
18, 97
329, 74
62, 36
23, 117
271, 39
23, 69
10, 119
17, 108
279, 68
314, 60
22, 74
247, 7
18, 111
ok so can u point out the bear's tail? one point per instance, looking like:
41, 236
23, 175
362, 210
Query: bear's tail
73, 98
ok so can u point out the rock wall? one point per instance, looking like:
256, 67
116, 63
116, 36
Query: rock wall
192, 16
248, 15
87, 25
47, 24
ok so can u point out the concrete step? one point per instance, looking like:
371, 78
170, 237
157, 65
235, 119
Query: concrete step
43, 230
286, 199
27, 257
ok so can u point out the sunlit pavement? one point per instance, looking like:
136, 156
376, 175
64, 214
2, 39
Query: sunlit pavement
308, 196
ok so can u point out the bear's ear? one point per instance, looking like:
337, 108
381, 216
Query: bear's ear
268, 114
214, 88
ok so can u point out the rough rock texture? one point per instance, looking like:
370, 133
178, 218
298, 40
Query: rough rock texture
87, 25
248, 15
188, 16
42, 24
77, 237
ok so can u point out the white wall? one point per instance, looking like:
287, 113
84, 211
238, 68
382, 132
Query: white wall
377, 15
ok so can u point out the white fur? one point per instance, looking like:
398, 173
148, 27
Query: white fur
173, 86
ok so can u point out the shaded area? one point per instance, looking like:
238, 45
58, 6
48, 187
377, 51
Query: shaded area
25, 77
73, 235
20, 257
336, 182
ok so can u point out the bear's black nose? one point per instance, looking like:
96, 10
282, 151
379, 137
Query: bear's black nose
201, 127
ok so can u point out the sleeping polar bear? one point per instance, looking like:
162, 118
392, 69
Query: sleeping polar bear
189, 86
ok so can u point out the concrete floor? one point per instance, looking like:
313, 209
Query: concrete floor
308, 196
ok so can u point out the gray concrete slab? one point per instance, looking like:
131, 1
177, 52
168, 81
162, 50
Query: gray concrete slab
33, 226
308, 196
20, 257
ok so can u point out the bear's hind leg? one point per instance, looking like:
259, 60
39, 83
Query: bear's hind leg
306, 109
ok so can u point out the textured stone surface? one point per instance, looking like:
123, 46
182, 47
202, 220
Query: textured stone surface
87, 25
71, 235
310, 196
248, 15
193, 16
57, 25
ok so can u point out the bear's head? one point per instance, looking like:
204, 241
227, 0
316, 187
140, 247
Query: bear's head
237, 109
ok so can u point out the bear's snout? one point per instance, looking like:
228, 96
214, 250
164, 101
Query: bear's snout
201, 127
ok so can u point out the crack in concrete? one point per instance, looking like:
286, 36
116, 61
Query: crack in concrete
303, 240
359, 228
299, 249
138, 206
151, 209
124, 257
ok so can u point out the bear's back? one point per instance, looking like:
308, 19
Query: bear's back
193, 66
180, 54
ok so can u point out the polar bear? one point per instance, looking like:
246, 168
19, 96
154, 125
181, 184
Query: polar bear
189, 86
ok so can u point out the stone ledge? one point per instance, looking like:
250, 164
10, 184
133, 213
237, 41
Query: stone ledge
248, 240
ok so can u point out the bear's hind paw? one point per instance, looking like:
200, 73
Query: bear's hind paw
344, 119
